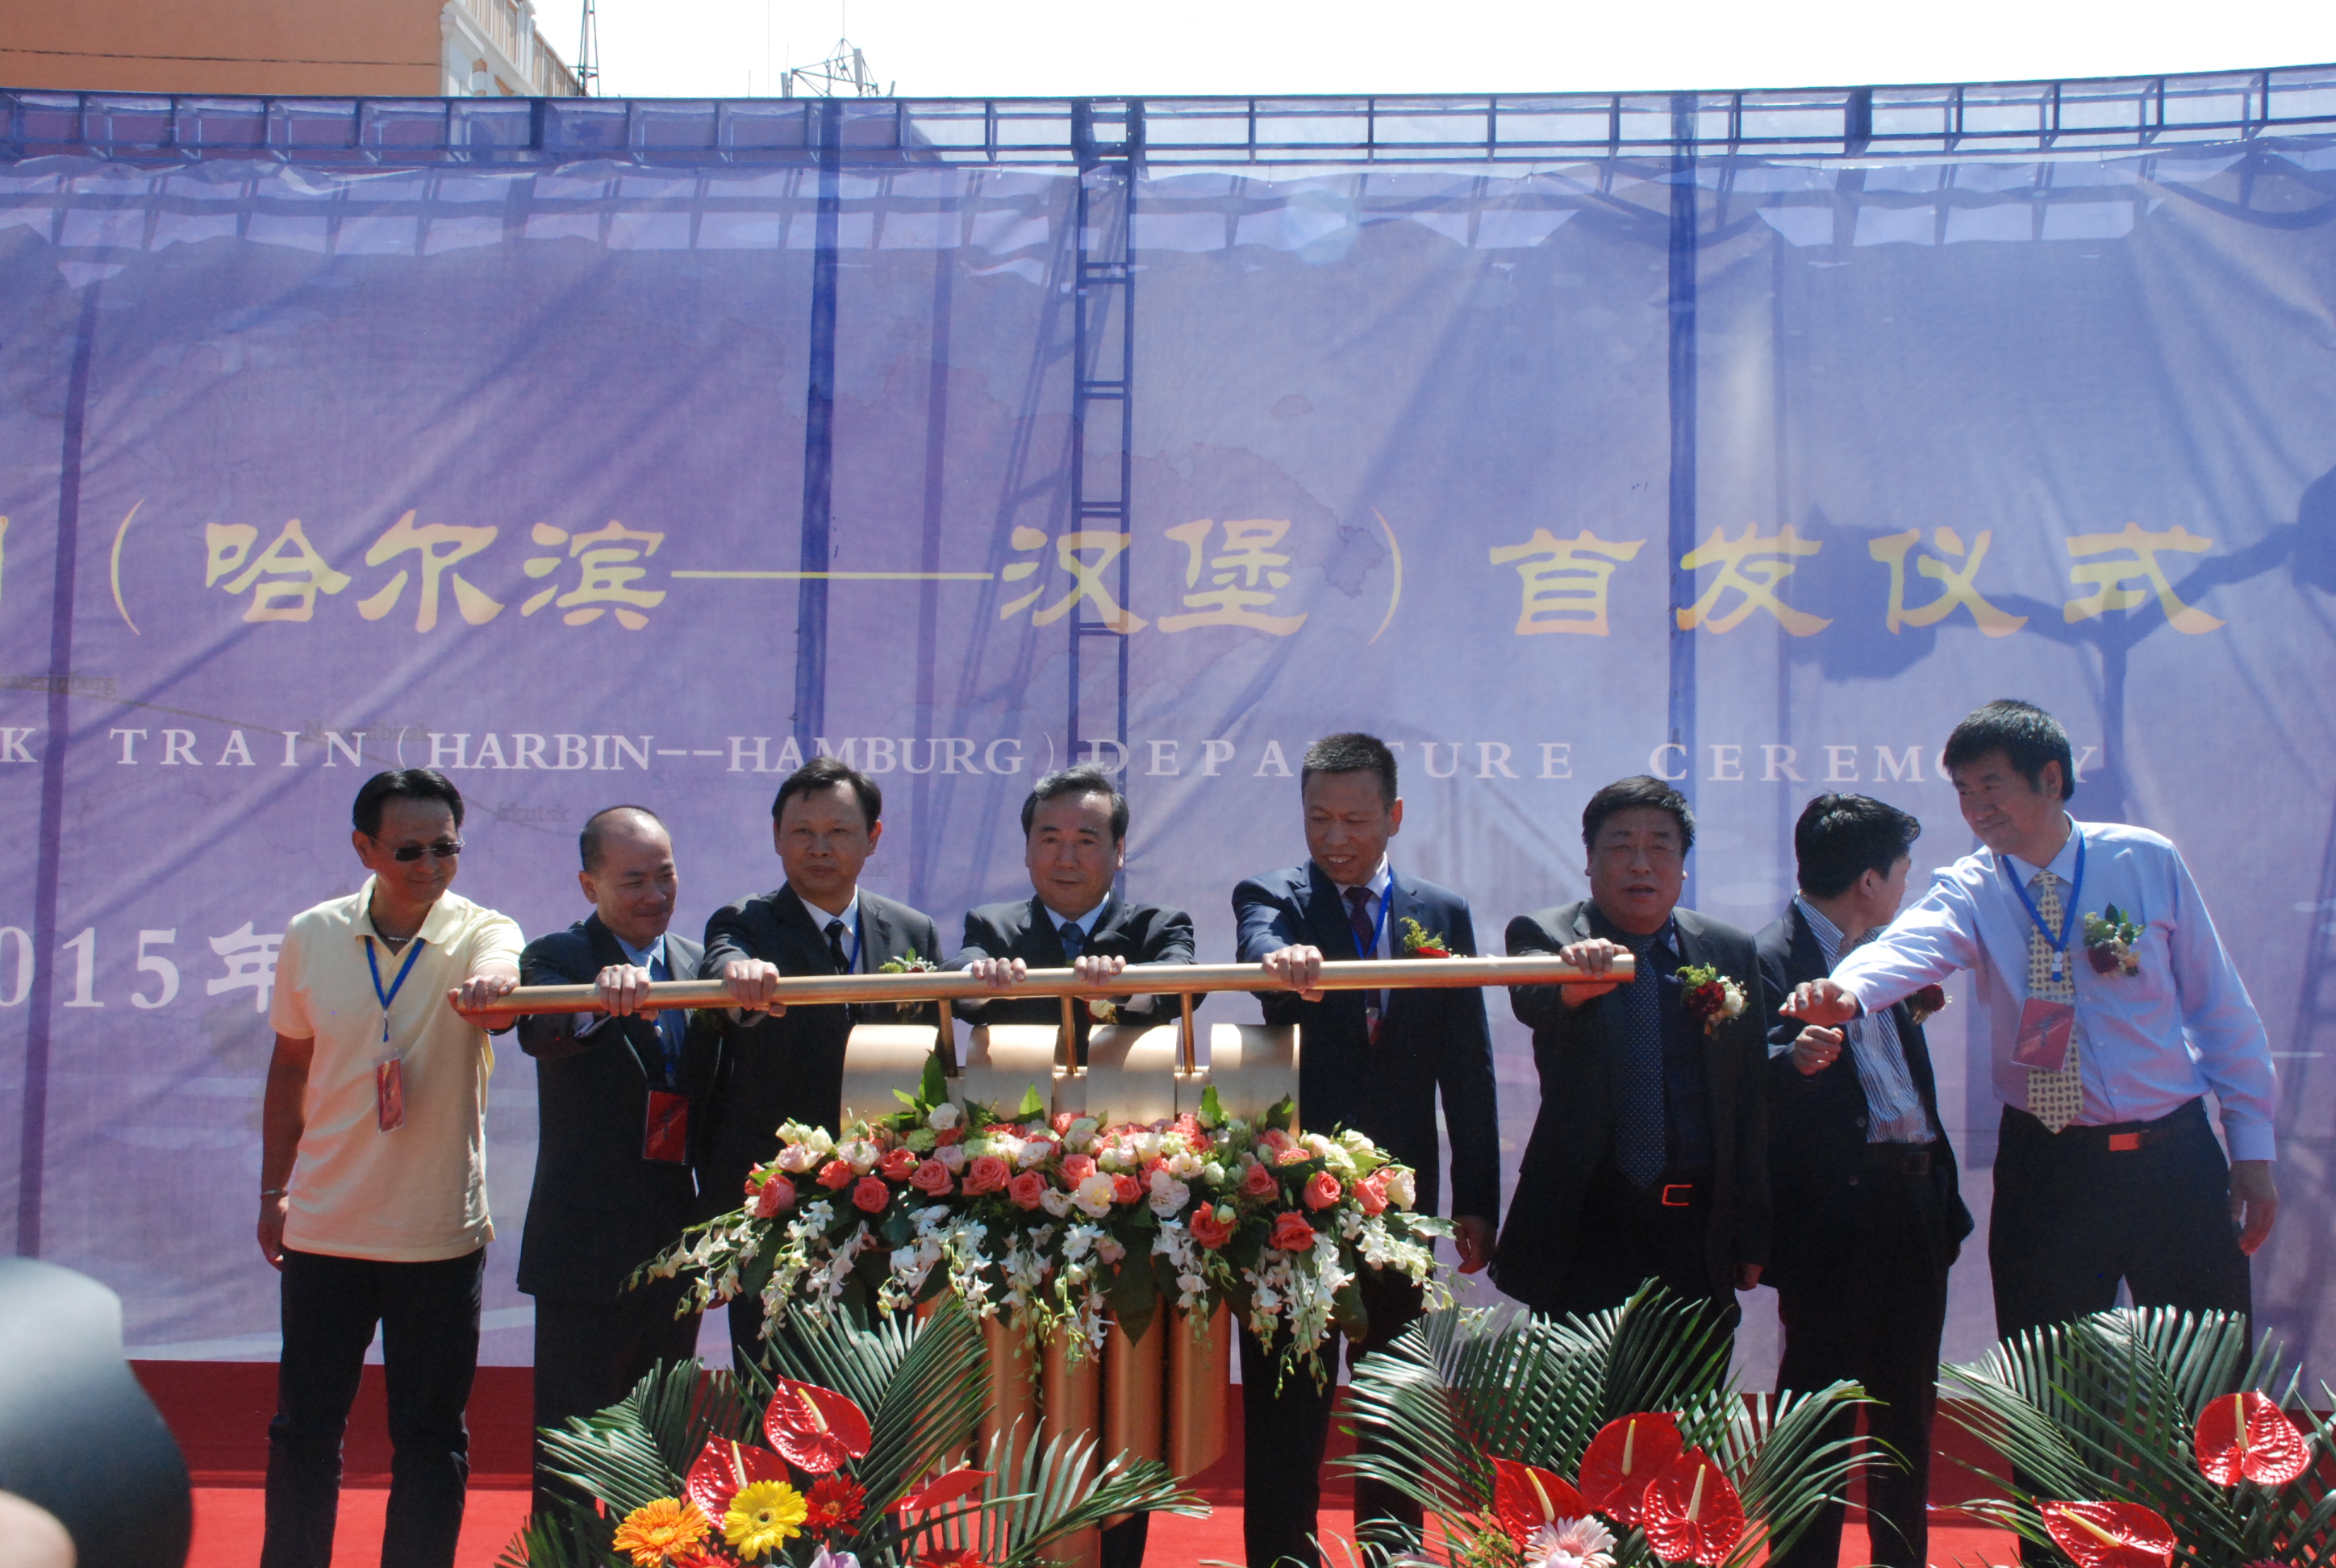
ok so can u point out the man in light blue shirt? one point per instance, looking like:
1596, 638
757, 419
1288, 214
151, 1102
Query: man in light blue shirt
2102, 1051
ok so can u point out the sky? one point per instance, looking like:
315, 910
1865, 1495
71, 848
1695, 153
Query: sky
1061, 48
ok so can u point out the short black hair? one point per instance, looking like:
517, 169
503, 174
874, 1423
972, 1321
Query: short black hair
1350, 752
1086, 779
1629, 793
2025, 733
413, 784
596, 831
825, 772
1840, 838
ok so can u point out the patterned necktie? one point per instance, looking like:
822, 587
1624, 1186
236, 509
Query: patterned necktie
1073, 939
669, 1023
1366, 942
835, 948
1640, 1145
2054, 1098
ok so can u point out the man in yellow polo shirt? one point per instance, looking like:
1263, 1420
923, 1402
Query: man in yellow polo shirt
373, 1176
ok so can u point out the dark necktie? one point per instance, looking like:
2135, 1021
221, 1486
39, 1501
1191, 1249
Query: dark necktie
1640, 1151
1366, 942
1073, 939
670, 1023
835, 948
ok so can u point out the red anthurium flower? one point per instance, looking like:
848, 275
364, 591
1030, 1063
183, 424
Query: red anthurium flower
2110, 1534
2246, 1437
947, 1488
722, 1468
1691, 1513
1624, 1458
1525, 1498
816, 1428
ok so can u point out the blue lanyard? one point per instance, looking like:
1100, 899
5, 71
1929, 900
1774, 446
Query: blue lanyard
2068, 910
390, 994
1378, 927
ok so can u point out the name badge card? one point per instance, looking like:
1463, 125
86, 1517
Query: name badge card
389, 1094
665, 1138
2044, 1029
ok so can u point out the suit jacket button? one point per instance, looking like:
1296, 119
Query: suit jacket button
1861, 1121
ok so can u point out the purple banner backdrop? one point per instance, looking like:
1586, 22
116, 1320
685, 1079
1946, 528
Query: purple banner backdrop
1755, 474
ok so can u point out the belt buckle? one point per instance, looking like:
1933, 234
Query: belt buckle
1686, 1190
2124, 1143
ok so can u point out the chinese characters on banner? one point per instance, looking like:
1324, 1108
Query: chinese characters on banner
1235, 573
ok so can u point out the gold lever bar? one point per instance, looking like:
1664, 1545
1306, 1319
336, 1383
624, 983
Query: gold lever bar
1137, 979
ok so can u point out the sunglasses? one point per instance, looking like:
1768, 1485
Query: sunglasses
443, 849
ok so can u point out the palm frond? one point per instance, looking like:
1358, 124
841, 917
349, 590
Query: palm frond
2105, 1408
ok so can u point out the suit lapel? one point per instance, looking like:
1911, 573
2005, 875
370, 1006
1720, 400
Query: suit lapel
605, 952
803, 950
1045, 938
1109, 929
1326, 914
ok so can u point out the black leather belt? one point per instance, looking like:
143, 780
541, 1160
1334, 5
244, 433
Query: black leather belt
1898, 1159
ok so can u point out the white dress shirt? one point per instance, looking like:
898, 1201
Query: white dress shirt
2147, 1043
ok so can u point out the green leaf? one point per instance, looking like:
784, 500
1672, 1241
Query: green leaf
905, 1097
1348, 1311
935, 1087
1282, 1113
1134, 1296
1212, 1110
1032, 1106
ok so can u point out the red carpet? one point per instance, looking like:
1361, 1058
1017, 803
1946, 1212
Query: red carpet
220, 1411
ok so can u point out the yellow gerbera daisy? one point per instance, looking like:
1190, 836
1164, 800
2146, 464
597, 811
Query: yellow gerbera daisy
763, 1517
654, 1531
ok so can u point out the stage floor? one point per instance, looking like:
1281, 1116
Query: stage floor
220, 1412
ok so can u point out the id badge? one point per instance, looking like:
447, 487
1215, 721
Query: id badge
666, 1138
2044, 1029
389, 1093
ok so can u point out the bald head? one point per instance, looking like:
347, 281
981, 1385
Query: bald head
629, 872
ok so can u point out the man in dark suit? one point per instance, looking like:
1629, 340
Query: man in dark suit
620, 1104
782, 1063
1373, 1061
1075, 842
1868, 1217
1648, 1158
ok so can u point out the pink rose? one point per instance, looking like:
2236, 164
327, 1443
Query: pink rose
986, 1173
777, 1196
1260, 1181
1063, 1120
1026, 1189
1292, 1156
948, 1135
1371, 1194
1189, 1125
1322, 1191
932, 1179
872, 1194
1291, 1234
1077, 1169
896, 1165
1273, 1138
1210, 1231
835, 1175
1126, 1189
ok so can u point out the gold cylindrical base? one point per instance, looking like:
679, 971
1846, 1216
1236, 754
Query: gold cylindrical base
1199, 1388
1072, 1392
1135, 1384
1012, 1386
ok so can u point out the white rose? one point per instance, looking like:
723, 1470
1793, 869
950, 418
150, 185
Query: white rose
797, 1158
1033, 1153
1147, 1145
1213, 1172
943, 1116
1184, 1164
859, 1154
1093, 1195
1116, 1158
1402, 1188
1169, 1195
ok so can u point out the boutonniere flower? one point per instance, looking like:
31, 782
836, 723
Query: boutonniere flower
1927, 1003
1711, 999
913, 964
2109, 942
1102, 1010
1422, 943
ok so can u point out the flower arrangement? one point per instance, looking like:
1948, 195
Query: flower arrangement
1422, 943
1057, 1222
790, 1471
2111, 941
1710, 997
2142, 1436
1480, 1417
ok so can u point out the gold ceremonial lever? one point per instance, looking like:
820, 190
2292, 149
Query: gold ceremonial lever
1136, 979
